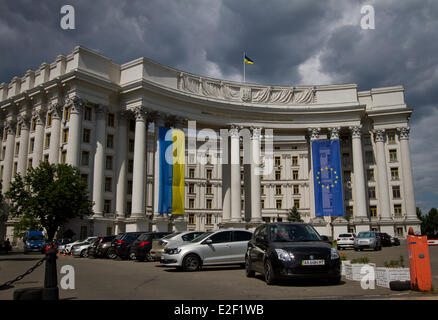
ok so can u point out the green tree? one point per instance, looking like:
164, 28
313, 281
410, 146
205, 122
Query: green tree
422, 218
293, 215
51, 195
431, 223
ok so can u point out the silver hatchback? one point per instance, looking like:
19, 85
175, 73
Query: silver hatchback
220, 247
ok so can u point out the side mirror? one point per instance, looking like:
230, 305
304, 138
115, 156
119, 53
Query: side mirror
208, 241
326, 239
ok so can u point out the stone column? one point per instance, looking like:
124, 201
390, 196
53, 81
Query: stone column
235, 176
8, 161
24, 145
39, 118
56, 111
99, 162
158, 122
382, 183
122, 142
74, 143
361, 219
139, 174
256, 213
226, 183
408, 181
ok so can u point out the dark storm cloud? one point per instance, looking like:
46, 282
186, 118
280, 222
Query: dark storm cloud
292, 42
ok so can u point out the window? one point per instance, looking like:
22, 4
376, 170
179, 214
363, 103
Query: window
130, 166
391, 138
86, 136
67, 114
221, 237
64, 157
208, 189
396, 192
346, 159
347, 176
348, 194
15, 167
369, 158
349, 212
400, 232
394, 173
277, 161
29, 163
3, 153
397, 210
191, 173
296, 189
277, 175
128, 208
109, 163
208, 204
5, 134
110, 121
297, 203
110, 141
209, 173
65, 136
208, 219
33, 124
47, 143
367, 140
129, 186
191, 188
49, 119
131, 145
278, 204
393, 155
295, 175
241, 236
295, 161
17, 148
87, 113
32, 145
192, 219
131, 125
278, 190
242, 176
370, 175
262, 189
372, 192
108, 182
373, 211
262, 204
85, 158
18, 129
242, 204
191, 203
107, 206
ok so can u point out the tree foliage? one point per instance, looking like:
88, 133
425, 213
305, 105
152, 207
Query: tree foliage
429, 222
51, 195
293, 215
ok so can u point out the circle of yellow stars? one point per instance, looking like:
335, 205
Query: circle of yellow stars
334, 173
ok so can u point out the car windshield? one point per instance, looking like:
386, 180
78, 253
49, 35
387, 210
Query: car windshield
171, 235
293, 232
202, 237
36, 238
366, 235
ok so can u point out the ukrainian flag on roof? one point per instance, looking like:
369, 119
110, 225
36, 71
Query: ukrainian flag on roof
248, 60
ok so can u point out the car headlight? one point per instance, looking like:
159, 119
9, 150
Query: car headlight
173, 251
334, 254
284, 255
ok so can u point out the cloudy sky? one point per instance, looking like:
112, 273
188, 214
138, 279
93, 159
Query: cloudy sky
292, 42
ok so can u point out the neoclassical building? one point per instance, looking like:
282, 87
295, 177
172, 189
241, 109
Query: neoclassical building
85, 110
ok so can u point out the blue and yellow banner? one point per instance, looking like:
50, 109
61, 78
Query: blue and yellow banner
327, 178
171, 174
248, 60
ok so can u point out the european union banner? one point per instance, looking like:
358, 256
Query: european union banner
171, 171
327, 178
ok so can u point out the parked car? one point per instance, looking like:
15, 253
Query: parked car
62, 243
121, 245
34, 241
81, 249
141, 247
345, 240
67, 248
92, 249
171, 240
220, 247
385, 239
100, 248
291, 251
395, 241
367, 239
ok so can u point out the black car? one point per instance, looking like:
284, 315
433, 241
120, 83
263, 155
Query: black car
395, 241
92, 249
385, 239
121, 244
141, 247
103, 246
291, 251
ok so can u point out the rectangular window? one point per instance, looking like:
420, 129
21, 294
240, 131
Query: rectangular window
278, 190
129, 186
297, 203
15, 167
393, 155
262, 204
242, 204
346, 159
64, 157
295, 175
347, 176
295, 161
278, 204
277, 175
110, 120
128, 208
65, 136
130, 166
396, 192
5, 134
29, 163
67, 114
242, 176
110, 141
32, 145
391, 138
107, 206
372, 193
209, 173
191, 188
242, 190
33, 125
191, 173
400, 232
369, 157
262, 189
296, 189
277, 161
208, 204
373, 211
17, 148
18, 129
87, 113
394, 173
191, 203
348, 194
131, 125
86, 136
208, 189
108, 183
370, 175
397, 210
49, 119
131, 145
208, 219
47, 143
85, 158
109, 163
192, 219
367, 140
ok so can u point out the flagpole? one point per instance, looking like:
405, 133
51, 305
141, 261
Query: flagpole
243, 66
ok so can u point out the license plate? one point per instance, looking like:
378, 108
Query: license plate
312, 262
363, 242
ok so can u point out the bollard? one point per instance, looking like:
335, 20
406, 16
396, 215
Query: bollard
51, 291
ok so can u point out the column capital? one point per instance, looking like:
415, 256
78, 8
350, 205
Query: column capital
24, 121
140, 113
11, 125
334, 133
379, 135
76, 104
39, 115
356, 131
313, 133
256, 133
56, 110
403, 133
234, 131
101, 111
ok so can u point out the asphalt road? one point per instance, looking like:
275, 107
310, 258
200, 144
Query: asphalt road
114, 279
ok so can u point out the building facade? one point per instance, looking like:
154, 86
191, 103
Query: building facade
87, 111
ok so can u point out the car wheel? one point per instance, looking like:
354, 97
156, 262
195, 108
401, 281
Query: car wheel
84, 253
269, 273
112, 254
191, 263
132, 256
248, 271
149, 257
